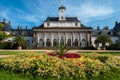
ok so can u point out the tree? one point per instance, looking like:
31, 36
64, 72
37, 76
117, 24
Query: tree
3, 36
1, 26
103, 38
20, 41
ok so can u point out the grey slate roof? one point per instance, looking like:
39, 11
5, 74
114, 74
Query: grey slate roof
22, 32
108, 32
117, 27
57, 19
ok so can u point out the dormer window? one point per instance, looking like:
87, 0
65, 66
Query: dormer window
76, 24
61, 11
48, 24
61, 17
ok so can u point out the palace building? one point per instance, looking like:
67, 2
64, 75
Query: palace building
63, 30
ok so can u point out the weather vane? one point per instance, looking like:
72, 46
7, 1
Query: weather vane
63, 1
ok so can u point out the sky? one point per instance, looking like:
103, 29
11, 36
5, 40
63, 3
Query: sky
34, 12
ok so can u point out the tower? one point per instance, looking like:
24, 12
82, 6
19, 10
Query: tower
62, 11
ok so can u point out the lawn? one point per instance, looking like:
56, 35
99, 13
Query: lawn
5, 75
112, 53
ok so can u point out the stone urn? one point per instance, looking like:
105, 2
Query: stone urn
19, 47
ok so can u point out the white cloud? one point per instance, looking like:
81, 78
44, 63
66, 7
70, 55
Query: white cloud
90, 10
94, 10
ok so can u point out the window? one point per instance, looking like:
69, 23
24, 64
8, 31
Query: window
61, 17
76, 24
48, 42
28, 42
69, 42
48, 24
54, 42
62, 41
62, 11
76, 42
41, 43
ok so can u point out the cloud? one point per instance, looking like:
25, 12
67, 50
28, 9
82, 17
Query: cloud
90, 10
94, 10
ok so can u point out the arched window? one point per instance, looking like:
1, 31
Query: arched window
48, 42
76, 42
54, 42
41, 43
62, 41
28, 42
69, 42
84, 44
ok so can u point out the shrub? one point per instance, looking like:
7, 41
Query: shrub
115, 46
5, 45
49, 67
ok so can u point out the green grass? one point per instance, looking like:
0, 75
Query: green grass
5, 75
1, 58
15, 52
112, 53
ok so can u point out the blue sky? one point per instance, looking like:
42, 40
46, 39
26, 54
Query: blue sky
33, 12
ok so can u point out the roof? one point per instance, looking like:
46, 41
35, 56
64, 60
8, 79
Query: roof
57, 19
108, 32
42, 27
62, 7
23, 32
116, 27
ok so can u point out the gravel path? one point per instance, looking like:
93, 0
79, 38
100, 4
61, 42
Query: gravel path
4, 56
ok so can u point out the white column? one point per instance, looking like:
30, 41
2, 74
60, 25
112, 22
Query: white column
51, 39
58, 37
79, 39
87, 39
65, 37
72, 39
44, 39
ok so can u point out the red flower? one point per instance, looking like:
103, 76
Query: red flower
37, 57
62, 57
101, 65
79, 64
72, 55
26, 65
70, 60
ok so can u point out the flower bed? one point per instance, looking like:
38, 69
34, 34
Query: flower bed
85, 66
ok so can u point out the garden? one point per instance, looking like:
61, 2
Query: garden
56, 66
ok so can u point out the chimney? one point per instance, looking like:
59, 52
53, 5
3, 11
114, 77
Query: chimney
9, 22
4, 20
116, 23
18, 27
26, 27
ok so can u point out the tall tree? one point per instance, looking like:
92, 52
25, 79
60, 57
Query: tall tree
20, 41
1, 26
3, 36
103, 38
